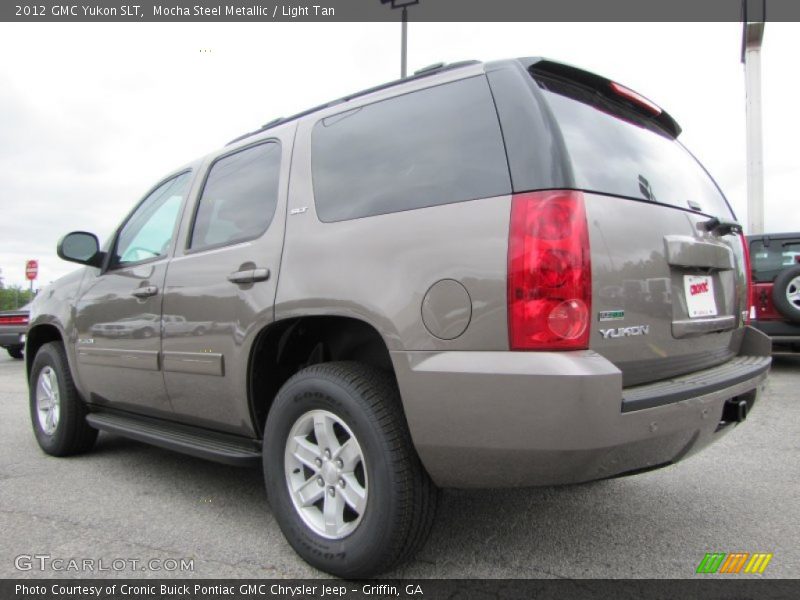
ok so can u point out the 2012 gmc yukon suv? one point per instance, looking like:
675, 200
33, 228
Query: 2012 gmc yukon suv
487, 274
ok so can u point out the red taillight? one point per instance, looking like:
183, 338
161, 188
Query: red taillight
14, 320
549, 272
748, 279
638, 99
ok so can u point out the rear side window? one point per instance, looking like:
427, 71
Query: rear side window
431, 147
615, 151
768, 260
239, 197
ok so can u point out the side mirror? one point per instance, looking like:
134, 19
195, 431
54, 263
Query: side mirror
80, 247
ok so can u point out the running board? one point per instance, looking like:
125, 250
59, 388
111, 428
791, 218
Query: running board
202, 443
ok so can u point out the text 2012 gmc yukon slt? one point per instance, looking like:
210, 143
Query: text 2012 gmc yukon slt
487, 274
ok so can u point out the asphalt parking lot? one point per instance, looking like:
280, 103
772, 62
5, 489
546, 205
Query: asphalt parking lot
129, 501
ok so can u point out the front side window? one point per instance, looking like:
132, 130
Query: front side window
148, 232
239, 197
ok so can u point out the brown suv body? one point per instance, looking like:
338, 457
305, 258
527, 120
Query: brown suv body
388, 241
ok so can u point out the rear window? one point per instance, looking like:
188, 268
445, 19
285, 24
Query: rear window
615, 151
769, 259
434, 146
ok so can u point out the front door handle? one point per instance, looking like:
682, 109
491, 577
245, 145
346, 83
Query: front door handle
249, 276
145, 292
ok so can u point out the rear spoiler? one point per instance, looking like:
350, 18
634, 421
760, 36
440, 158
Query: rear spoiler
606, 88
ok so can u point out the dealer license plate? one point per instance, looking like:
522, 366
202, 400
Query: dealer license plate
699, 290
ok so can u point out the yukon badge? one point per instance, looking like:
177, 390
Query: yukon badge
625, 331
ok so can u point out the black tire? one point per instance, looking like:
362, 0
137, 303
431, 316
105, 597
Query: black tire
72, 434
787, 281
15, 351
401, 500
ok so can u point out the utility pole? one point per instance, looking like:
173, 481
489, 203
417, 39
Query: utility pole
753, 19
402, 4
404, 43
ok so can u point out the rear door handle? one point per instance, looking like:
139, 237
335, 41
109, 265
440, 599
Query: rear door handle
249, 276
145, 292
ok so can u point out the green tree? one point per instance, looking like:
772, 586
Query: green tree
14, 297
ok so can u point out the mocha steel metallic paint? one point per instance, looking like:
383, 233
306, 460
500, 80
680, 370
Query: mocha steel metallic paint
479, 414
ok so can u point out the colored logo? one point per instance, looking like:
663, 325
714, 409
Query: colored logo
736, 562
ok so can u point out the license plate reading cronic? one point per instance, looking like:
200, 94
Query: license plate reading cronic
699, 290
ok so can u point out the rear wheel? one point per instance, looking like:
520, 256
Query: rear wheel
58, 415
15, 352
342, 476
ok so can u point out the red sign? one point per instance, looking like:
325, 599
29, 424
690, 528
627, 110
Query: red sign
31, 269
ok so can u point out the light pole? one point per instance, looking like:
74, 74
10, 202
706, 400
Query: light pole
403, 4
753, 18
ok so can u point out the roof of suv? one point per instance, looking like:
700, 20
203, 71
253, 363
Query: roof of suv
543, 66
419, 74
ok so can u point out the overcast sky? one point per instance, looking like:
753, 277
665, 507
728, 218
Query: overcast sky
91, 115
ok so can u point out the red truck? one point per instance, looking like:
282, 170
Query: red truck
775, 268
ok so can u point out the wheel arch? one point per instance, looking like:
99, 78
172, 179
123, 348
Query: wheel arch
284, 347
36, 337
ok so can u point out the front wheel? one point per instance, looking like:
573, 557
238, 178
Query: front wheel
58, 414
342, 476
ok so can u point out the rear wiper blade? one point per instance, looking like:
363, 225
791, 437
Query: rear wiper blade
722, 226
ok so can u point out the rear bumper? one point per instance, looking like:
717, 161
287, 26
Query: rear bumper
499, 419
781, 332
11, 336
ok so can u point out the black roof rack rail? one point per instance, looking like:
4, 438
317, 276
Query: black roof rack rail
433, 67
245, 135
424, 72
271, 123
